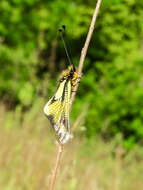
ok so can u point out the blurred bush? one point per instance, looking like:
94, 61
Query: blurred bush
31, 54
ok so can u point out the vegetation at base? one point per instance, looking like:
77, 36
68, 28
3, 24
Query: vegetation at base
28, 149
32, 56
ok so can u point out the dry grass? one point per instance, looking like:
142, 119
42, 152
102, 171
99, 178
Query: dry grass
27, 155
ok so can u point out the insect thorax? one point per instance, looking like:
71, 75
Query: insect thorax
70, 74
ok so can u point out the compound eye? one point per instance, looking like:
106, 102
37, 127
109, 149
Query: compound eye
71, 72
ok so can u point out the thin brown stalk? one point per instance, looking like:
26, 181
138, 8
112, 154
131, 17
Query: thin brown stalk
54, 172
85, 48
81, 61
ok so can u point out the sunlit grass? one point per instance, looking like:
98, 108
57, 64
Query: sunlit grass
28, 149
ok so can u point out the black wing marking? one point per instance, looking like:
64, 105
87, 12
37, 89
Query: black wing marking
57, 111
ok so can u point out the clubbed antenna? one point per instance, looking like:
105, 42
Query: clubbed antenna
65, 46
64, 27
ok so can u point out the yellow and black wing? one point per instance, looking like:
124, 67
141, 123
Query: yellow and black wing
57, 111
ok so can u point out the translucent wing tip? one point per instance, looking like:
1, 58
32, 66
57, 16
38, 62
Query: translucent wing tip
66, 138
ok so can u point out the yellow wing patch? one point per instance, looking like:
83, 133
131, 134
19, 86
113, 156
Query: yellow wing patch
54, 109
57, 111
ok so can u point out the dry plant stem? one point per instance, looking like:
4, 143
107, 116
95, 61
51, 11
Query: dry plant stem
85, 48
54, 172
82, 58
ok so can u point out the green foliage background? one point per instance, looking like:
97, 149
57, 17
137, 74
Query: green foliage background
32, 56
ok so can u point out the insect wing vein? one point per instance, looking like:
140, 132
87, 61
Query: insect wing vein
64, 132
57, 111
